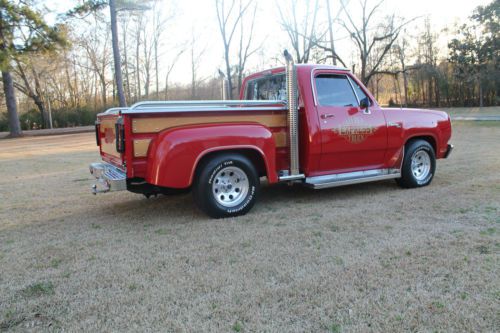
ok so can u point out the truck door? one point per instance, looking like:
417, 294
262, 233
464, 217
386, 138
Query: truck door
353, 138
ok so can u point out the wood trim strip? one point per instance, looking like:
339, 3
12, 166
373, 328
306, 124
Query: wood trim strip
280, 139
157, 124
141, 147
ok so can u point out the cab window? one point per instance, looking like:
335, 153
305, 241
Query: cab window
272, 87
335, 90
361, 94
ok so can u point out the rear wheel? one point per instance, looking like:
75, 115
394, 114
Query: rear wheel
419, 165
226, 185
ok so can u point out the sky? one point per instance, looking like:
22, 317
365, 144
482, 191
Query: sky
198, 18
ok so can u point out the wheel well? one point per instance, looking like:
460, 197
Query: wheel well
253, 156
427, 138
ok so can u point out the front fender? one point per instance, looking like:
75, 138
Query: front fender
174, 154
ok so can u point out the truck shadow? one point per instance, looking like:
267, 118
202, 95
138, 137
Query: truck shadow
180, 209
284, 192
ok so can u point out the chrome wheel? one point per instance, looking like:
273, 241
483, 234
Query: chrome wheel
420, 164
230, 186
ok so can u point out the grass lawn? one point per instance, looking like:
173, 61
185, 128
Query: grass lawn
369, 257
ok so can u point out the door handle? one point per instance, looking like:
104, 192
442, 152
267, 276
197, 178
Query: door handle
390, 124
327, 115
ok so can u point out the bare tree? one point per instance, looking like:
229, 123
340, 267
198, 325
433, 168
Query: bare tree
301, 33
147, 48
245, 44
138, 27
228, 19
159, 23
401, 49
368, 38
31, 86
96, 47
325, 41
170, 68
196, 55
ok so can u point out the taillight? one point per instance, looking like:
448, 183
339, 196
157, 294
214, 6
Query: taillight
97, 130
120, 135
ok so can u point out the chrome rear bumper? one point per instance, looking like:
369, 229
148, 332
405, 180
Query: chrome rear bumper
109, 178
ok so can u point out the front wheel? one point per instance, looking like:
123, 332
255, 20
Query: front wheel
419, 165
226, 185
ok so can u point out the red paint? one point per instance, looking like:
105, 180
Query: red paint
175, 153
324, 148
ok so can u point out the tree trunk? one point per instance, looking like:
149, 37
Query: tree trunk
193, 74
8, 89
330, 32
437, 92
116, 54
10, 100
481, 99
405, 87
39, 104
166, 87
103, 92
137, 63
125, 57
228, 73
157, 77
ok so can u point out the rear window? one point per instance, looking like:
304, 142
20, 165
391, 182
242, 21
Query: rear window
335, 90
272, 87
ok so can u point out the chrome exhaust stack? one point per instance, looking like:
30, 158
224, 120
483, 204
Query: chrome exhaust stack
224, 86
293, 120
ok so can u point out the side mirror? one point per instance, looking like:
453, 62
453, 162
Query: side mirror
364, 103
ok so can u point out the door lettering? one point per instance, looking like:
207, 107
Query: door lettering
354, 129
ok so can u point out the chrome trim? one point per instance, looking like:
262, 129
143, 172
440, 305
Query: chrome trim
215, 103
293, 113
108, 177
349, 178
113, 111
402, 158
394, 124
291, 178
354, 91
194, 109
225, 89
198, 106
448, 150
327, 116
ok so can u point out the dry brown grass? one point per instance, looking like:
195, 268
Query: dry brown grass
371, 257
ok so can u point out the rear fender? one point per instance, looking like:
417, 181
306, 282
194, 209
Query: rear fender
174, 154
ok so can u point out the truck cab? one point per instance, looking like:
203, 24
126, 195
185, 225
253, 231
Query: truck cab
313, 125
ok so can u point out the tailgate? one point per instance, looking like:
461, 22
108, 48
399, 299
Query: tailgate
110, 138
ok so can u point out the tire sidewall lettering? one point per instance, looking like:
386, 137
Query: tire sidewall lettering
244, 204
217, 168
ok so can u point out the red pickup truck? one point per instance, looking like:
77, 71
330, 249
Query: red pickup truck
314, 125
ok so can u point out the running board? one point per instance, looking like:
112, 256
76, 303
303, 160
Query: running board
341, 179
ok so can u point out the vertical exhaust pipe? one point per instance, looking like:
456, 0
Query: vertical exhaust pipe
224, 86
293, 118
